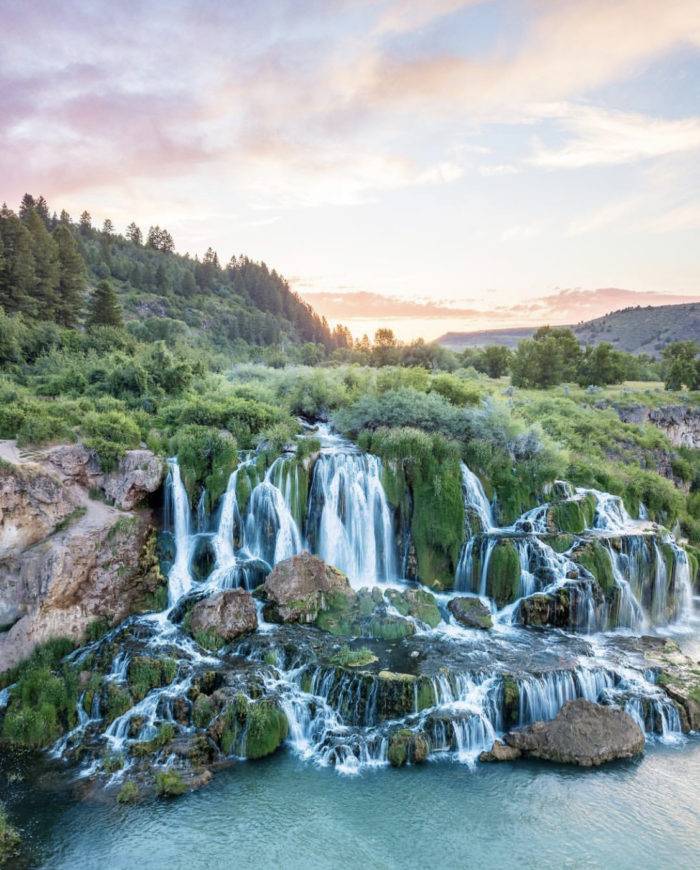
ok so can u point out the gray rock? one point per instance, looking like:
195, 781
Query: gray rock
140, 473
299, 588
583, 733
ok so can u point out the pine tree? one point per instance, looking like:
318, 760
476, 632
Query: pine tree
108, 227
85, 223
17, 277
42, 209
46, 265
71, 283
134, 234
28, 204
103, 307
65, 217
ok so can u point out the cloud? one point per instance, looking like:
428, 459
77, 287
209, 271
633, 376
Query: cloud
564, 307
600, 136
494, 169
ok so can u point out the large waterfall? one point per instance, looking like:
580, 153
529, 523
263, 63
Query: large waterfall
179, 577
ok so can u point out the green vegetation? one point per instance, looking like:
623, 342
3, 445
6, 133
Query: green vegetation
146, 673
346, 657
169, 783
9, 838
128, 793
43, 702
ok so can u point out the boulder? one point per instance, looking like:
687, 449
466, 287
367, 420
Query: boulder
500, 752
407, 747
471, 612
298, 589
76, 464
228, 614
583, 733
418, 603
140, 473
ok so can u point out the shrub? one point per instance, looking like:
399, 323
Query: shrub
169, 783
128, 793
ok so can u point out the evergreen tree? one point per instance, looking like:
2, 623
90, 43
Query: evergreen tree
85, 223
65, 217
42, 209
27, 205
103, 307
17, 277
134, 234
108, 227
46, 265
71, 283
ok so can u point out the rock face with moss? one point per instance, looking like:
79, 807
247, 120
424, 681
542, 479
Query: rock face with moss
228, 615
407, 747
571, 515
471, 612
300, 588
583, 733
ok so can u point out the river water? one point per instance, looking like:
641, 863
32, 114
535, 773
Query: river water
283, 813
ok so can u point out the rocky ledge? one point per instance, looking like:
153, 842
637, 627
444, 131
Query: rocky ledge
583, 733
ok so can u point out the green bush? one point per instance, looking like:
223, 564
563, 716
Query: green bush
169, 783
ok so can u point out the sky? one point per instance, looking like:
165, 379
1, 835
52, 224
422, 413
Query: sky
428, 165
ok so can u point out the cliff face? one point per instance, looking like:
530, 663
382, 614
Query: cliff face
681, 423
67, 558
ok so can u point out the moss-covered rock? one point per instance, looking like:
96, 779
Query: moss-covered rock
407, 747
573, 515
348, 657
10, 840
594, 557
511, 701
251, 729
128, 793
503, 573
471, 612
146, 673
169, 783
417, 603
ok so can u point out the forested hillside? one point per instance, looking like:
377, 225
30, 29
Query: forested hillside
49, 263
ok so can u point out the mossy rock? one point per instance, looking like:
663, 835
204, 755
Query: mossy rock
503, 574
145, 673
347, 657
10, 840
561, 543
267, 728
203, 711
128, 793
417, 603
407, 747
573, 515
511, 701
593, 556
169, 783
203, 558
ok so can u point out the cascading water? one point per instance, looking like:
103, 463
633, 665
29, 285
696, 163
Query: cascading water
179, 576
475, 499
350, 524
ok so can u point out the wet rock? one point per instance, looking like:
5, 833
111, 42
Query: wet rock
677, 675
417, 603
228, 615
572, 515
300, 588
500, 752
583, 733
471, 612
407, 747
203, 558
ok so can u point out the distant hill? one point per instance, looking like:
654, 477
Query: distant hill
637, 330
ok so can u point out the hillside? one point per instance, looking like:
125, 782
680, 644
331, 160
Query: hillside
636, 330
49, 264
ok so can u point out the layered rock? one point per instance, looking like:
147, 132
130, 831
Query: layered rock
67, 559
583, 733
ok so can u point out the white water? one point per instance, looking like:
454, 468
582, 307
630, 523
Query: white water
475, 498
179, 577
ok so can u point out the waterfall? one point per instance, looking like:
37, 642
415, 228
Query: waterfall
475, 498
542, 697
659, 612
350, 523
629, 610
271, 534
682, 580
610, 512
179, 577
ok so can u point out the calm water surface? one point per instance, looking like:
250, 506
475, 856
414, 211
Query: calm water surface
282, 813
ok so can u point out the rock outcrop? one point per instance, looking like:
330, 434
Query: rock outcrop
681, 423
583, 733
67, 559
228, 615
298, 589
500, 752
471, 612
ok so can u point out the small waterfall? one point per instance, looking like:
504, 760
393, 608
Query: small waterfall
629, 610
350, 523
659, 612
179, 577
682, 584
463, 574
541, 698
271, 534
610, 512
475, 498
